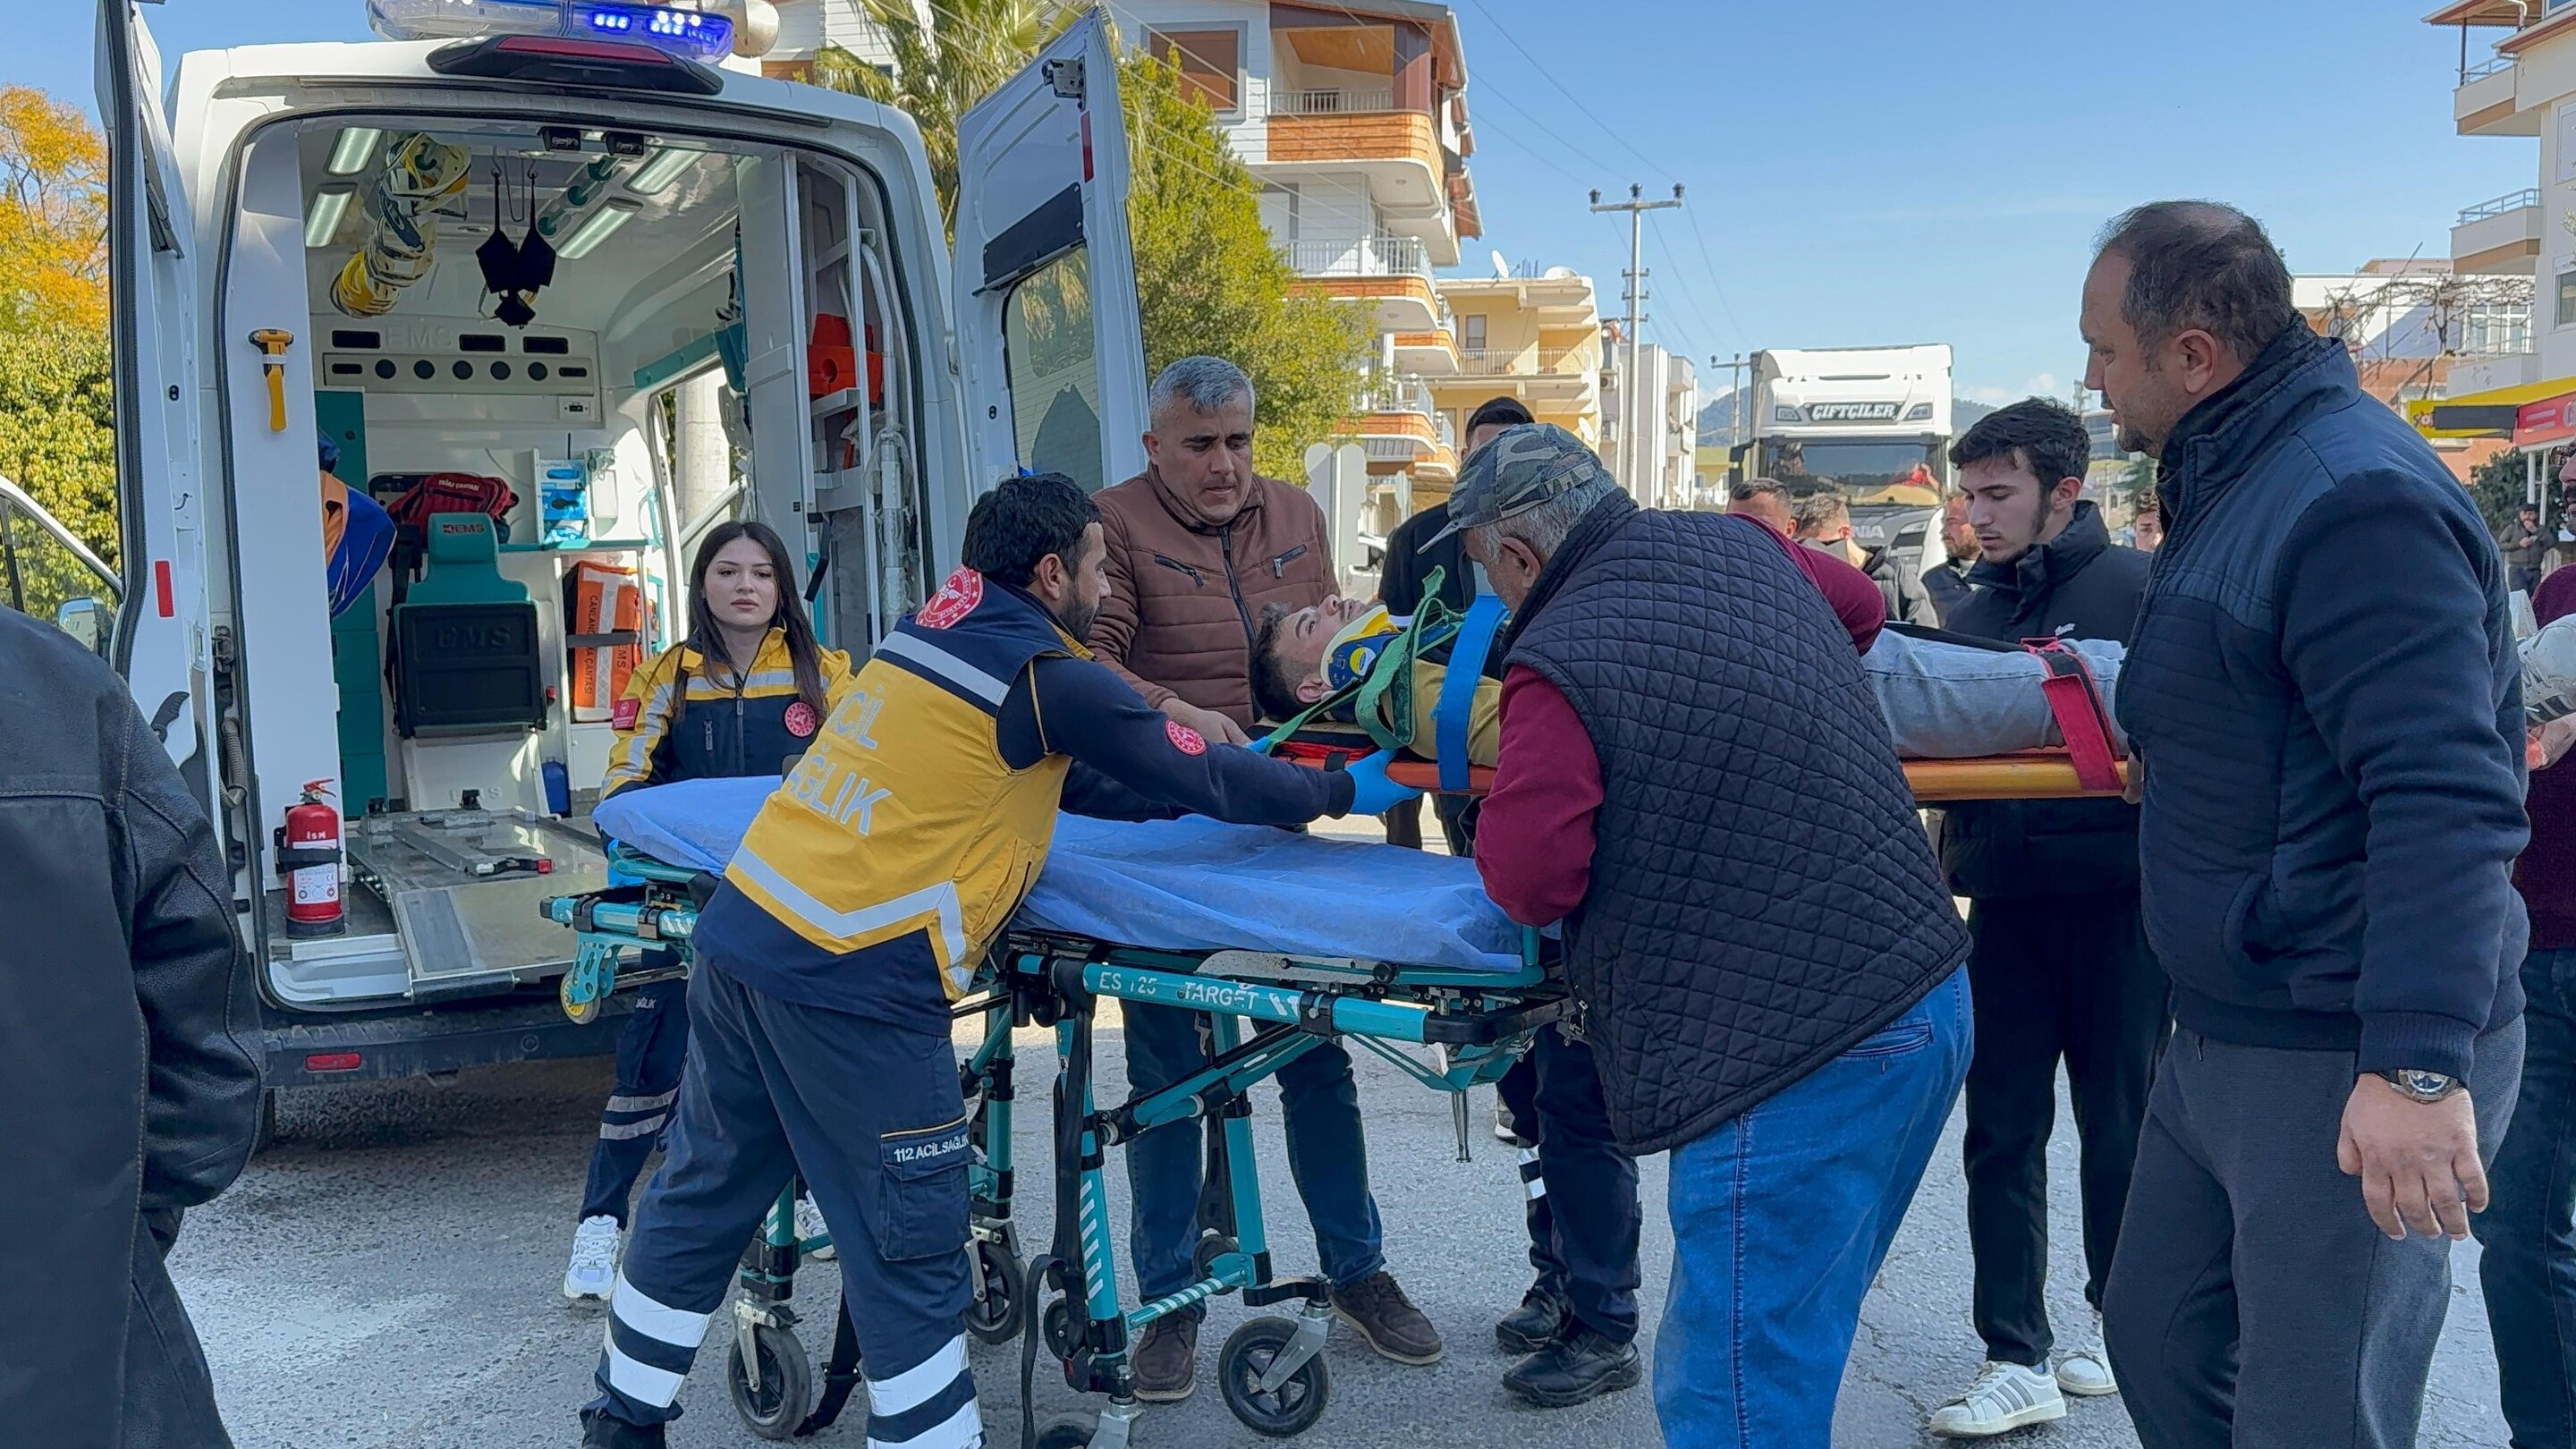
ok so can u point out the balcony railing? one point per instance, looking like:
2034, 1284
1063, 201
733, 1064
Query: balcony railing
2500, 331
2498, 206
1513, 361
1376, 256
2492, 65
1332, 101
1398, 395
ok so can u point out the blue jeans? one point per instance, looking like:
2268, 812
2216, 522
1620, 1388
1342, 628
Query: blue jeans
2529, 1227
1780, 1220
1327, 1154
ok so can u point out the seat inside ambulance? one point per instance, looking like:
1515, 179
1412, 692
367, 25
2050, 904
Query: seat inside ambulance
529, 346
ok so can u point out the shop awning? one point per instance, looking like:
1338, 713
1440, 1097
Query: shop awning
2490, 414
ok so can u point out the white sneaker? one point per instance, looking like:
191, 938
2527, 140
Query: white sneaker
2086, 1369
2005, 1396
594, 1259
810, 1225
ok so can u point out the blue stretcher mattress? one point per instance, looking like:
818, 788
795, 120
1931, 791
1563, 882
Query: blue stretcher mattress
1168, 885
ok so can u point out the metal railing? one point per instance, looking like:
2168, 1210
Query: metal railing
2502, 331
1331, 101
2492, 65
1376, 256
1513, 361
1398, 395
2511, 201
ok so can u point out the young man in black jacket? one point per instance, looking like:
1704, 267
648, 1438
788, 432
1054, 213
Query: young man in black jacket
127, 1056
2324, 692
2060, 969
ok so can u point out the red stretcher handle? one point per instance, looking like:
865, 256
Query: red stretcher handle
2030, 775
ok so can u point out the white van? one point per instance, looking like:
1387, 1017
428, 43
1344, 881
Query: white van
752, 313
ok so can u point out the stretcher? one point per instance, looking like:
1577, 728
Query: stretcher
1282, 941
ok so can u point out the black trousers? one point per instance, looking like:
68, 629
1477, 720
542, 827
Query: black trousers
2058, 977
1582, 1190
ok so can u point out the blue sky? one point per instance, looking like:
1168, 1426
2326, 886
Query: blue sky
1869, 172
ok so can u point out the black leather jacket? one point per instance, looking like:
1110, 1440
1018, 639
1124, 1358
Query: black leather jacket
127, 1060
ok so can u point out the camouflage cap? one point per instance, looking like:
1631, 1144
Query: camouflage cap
1521, 468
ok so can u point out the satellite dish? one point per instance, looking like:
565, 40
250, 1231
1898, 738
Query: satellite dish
1502, 269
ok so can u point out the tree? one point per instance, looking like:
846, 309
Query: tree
58, 441
946, 58
53, 214
2499, 486
1209, 279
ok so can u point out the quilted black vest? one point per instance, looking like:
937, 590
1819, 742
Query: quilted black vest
1762, 894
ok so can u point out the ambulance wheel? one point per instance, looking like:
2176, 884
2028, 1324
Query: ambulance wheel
1295, 1405
1211, 1246
772, 1403
1003, 1311
1056, 1326
582, 1013
1069, 1432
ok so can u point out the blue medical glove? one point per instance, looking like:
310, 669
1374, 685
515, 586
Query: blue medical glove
1374, 793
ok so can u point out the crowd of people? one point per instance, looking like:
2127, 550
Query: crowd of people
2291, 981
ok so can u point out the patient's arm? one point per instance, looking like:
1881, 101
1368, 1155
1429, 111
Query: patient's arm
1142, 764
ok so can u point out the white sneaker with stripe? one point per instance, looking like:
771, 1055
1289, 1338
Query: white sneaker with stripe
2005, 1397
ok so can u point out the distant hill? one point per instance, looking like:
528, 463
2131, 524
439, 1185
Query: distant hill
1717, 420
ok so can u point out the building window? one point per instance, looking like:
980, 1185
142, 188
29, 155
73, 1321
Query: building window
2566, 299
1472, 331
1210, 62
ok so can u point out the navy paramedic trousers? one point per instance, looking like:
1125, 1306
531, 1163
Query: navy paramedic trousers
650, 1053
1584, 1219
873, 1115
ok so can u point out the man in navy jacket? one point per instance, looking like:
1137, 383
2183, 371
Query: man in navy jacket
2324, 693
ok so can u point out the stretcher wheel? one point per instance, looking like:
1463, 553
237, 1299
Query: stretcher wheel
1295, 1406
1003, 1310
581, 1013
1069, 1432
1056, 1326
772, 1403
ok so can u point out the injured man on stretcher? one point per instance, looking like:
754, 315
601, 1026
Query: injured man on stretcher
1942, 699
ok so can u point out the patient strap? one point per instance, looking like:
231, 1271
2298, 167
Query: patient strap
2076, 703
1454, 712
1390, 675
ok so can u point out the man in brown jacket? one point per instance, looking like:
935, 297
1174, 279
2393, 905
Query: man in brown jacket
1197, 547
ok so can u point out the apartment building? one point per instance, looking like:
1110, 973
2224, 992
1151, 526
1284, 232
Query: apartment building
1650, 436
1528, 334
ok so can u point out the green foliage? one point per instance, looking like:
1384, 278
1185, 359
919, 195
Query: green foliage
942, 67
1209, 279
58, 441
2498, 486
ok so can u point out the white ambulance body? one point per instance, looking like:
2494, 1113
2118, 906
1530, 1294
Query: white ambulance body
752, 313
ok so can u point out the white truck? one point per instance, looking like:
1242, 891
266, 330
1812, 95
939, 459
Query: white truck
1856, 421
748, 276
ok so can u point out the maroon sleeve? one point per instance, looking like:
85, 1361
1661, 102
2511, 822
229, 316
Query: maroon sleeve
1534, 841
1853, 595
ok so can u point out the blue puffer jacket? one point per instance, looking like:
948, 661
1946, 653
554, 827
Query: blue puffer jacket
2325, 692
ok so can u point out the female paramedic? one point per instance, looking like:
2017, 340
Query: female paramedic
742, 695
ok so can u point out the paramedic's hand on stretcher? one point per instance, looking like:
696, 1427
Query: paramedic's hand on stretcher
1132, 761
1374, 793
1218, 729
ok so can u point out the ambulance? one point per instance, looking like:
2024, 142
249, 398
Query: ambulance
561, 284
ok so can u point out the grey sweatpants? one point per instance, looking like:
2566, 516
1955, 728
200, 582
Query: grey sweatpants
2253, 1304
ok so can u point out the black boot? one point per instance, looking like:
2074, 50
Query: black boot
600, 1430
1579, 1366
1534, 1325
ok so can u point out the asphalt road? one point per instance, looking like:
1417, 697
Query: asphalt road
387, 1275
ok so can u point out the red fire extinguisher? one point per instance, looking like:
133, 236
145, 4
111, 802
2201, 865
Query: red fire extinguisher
309, 857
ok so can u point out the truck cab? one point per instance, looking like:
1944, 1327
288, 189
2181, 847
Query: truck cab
562, 285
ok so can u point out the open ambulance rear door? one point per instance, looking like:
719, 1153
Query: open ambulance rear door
161, 629
1048, 340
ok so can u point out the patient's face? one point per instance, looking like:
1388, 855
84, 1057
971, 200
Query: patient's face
1303, 636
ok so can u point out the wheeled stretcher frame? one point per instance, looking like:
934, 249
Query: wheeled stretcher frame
1263, 1011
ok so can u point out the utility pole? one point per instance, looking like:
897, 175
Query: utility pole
1630, 435
1736, 403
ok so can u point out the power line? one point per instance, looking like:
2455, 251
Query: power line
1551, 79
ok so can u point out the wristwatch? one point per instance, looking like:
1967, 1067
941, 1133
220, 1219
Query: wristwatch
2422, 1086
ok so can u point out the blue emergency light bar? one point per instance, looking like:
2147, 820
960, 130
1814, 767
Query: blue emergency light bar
689, 34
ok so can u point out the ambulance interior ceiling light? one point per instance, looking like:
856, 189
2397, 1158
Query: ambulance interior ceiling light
350, 153
694, 34
322, 219
596, 228
656, 175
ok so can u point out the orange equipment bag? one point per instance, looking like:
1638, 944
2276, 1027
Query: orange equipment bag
605, 637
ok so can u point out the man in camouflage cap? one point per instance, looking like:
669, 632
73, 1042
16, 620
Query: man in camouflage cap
1694, 779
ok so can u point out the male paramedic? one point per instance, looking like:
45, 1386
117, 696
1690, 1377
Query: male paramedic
1198, 545
1695, 780
862, 897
